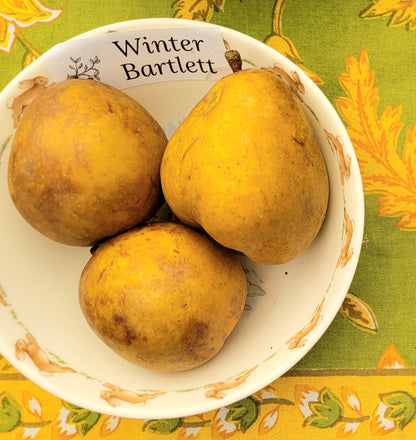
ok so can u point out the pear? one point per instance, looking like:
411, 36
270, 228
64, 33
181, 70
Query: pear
84, 162
245, 165
163, 296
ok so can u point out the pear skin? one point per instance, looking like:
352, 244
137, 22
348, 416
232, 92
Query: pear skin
163, 296
245, 166
84, 162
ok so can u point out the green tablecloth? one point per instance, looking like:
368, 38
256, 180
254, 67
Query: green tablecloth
360, 378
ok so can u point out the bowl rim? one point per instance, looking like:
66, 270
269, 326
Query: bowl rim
250, 387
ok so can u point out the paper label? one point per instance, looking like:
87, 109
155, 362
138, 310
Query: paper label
130, 58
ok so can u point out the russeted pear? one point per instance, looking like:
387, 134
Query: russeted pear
245, 165
163, 296
85, 161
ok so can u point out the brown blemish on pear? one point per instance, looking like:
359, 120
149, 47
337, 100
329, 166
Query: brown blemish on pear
163, 296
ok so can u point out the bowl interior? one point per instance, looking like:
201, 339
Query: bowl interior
288, 308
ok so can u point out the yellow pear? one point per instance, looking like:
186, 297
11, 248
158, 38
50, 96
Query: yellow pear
245, 165
84, 162
163, 296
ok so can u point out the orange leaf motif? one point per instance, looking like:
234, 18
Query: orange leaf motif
32, 404
379, 424
61, 430
351, 399
347, 429
189, 433
269, 421
304, 394
383, 170
401, 12
391, 359
109, 425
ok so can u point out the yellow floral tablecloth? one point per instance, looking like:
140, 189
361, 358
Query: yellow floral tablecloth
359, 381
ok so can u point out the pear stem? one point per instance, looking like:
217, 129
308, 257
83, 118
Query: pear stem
234, 59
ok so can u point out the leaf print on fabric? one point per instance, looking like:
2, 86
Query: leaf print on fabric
359, 313
109, 425
222, 427
400, 12
189, 433
163, 426
201, 10
61, 429
32, 404
379, 424
324, 409
347, 429
383, 170
305, 394
83, 419
400, 407
26, 13
327, 410
283, 44
351, 399
16, 15
189, 428
243, 413
269, 421
391, 359
9, 413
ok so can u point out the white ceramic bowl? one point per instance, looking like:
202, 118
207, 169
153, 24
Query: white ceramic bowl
289, 306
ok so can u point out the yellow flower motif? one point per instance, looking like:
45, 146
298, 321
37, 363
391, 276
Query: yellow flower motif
401, 12
15, 14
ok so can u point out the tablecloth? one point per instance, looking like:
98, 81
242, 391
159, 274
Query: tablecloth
359, 380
